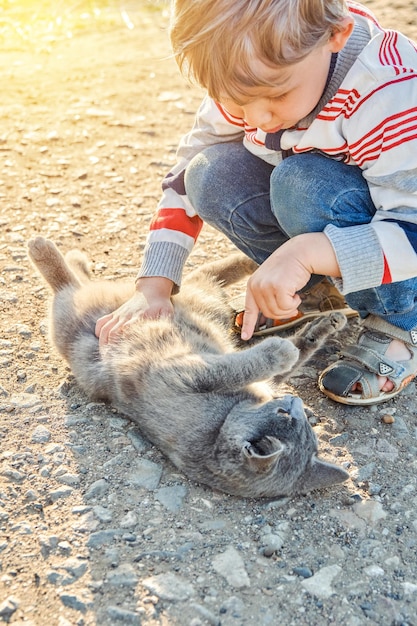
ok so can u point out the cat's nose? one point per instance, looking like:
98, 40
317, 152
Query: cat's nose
297, 409
292, 407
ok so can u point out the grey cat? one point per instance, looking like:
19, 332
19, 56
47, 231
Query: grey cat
200, 400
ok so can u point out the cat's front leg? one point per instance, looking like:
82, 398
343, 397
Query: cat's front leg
237, 369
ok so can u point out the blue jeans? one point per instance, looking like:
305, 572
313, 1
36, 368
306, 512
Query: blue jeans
259, 207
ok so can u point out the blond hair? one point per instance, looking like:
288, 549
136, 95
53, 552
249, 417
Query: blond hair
218, 43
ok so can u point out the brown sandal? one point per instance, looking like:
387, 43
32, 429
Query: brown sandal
267, 325
322, 299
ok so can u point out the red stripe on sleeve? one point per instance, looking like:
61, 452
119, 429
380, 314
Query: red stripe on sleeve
177, 219
387, 278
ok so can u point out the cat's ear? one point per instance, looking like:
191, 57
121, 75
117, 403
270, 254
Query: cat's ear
263, 454
321, 474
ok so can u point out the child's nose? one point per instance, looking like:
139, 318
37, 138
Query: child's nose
258, 117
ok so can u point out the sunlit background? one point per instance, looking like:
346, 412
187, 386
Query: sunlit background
27, 22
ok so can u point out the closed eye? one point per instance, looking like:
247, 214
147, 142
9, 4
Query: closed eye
265, 446
279, 98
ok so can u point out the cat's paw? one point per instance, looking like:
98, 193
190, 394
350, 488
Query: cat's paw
337, 320
39, 248
281, 353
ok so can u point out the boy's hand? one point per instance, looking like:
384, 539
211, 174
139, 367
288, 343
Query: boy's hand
151, 300
272, 288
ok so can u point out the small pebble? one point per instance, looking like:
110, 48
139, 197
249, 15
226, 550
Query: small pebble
123, 616
8, 607
40, 435
304, 572
387, 418
97, 489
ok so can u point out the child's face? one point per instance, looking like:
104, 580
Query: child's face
298, 90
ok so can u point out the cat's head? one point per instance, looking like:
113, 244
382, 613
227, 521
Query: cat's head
272, 452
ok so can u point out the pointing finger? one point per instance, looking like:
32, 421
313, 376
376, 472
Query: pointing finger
250, 317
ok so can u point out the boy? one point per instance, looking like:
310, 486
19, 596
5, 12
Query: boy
324, 182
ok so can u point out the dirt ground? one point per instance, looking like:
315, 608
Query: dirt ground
96, 527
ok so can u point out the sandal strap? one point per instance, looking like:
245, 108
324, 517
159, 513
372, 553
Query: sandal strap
372, 322
374, 362
370, 350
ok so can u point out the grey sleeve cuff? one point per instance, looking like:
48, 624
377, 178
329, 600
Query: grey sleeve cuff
359, 255
165, 259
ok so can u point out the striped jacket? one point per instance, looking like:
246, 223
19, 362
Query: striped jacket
366, 117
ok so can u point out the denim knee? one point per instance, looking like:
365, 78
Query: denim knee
198, 180
229, 188
287, 198
309, 191
213, 178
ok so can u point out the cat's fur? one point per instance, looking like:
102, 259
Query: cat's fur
181, 380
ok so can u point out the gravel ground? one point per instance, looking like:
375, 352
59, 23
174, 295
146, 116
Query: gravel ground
96, 527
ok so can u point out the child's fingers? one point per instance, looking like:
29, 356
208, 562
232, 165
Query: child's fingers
112, 329
106, 329
250, 317
101, 322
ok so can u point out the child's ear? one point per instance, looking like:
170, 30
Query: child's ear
340, 36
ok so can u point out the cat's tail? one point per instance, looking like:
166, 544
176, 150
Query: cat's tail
51, 264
